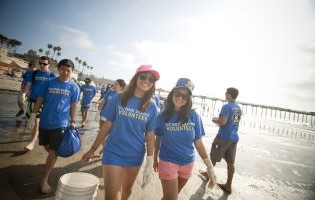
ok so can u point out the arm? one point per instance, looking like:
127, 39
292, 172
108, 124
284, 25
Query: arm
201, 148
73, 113
27, 88
148, 170
221, 121
203, 154
106, 126
100, 137
31, 121
150, 139
38, 105
156, 152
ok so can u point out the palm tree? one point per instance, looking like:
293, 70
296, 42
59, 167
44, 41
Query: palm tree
58, 54
32, 54
83, 65
49, 46
12, 44
40, 50
47, 53
88, 70
56, 48
91, 69
3, 40
77, 60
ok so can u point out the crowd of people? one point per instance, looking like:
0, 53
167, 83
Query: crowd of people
133, 127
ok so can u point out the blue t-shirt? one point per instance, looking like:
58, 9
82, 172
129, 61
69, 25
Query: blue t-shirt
108, 96
125, 145
88, 93
58, 96
157, 101
177, 138
39, 78
26, 76
233, 113
104, 92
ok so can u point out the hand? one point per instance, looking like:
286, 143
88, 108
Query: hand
31, 122
210, 171
87, 157
72, 125
147, 172
156, 165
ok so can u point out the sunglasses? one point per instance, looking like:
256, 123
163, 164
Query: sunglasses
144, 77
40, 63
184, 96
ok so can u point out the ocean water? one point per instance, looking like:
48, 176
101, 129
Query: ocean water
275, 147
258, 120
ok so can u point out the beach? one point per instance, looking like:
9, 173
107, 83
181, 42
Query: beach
267, 166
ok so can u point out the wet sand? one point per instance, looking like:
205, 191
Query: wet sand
267, 166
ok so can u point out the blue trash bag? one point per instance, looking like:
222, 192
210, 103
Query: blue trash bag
70, 143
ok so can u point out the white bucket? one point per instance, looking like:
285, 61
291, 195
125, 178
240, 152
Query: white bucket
77, 186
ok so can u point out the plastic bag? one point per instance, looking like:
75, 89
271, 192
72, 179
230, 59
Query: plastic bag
70, 143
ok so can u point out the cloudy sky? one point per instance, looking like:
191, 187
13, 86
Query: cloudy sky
266, 48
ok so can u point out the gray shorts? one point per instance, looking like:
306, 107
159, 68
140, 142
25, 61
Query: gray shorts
30, 107
223, 149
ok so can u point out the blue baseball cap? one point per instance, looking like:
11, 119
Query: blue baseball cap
185, 83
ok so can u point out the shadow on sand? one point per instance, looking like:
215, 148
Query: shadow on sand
23, 181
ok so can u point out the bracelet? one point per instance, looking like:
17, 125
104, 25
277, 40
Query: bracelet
72, 121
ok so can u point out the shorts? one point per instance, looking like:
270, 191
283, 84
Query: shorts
85, 107
113, 158
223, 149
170, 171
30, 107
52, 137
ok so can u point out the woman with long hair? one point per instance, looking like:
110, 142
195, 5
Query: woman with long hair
130, 123
179, 129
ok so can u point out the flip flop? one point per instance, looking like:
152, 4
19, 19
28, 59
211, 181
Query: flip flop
222, 186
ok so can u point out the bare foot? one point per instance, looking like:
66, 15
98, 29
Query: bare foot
225, 188
29, 147
204, 175
45, 188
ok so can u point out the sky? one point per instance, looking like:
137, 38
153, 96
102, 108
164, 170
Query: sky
265, 48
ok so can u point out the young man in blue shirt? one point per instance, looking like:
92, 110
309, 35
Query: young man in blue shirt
33, 83
224, 145
88, 92
59, 97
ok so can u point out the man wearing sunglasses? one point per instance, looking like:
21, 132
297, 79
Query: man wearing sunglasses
23, 92
33, 84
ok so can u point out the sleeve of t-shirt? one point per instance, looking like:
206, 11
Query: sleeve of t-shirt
43, 89
109, 110
29, 77
224, 111
159, 125
151, 124
76, 93
199, 129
